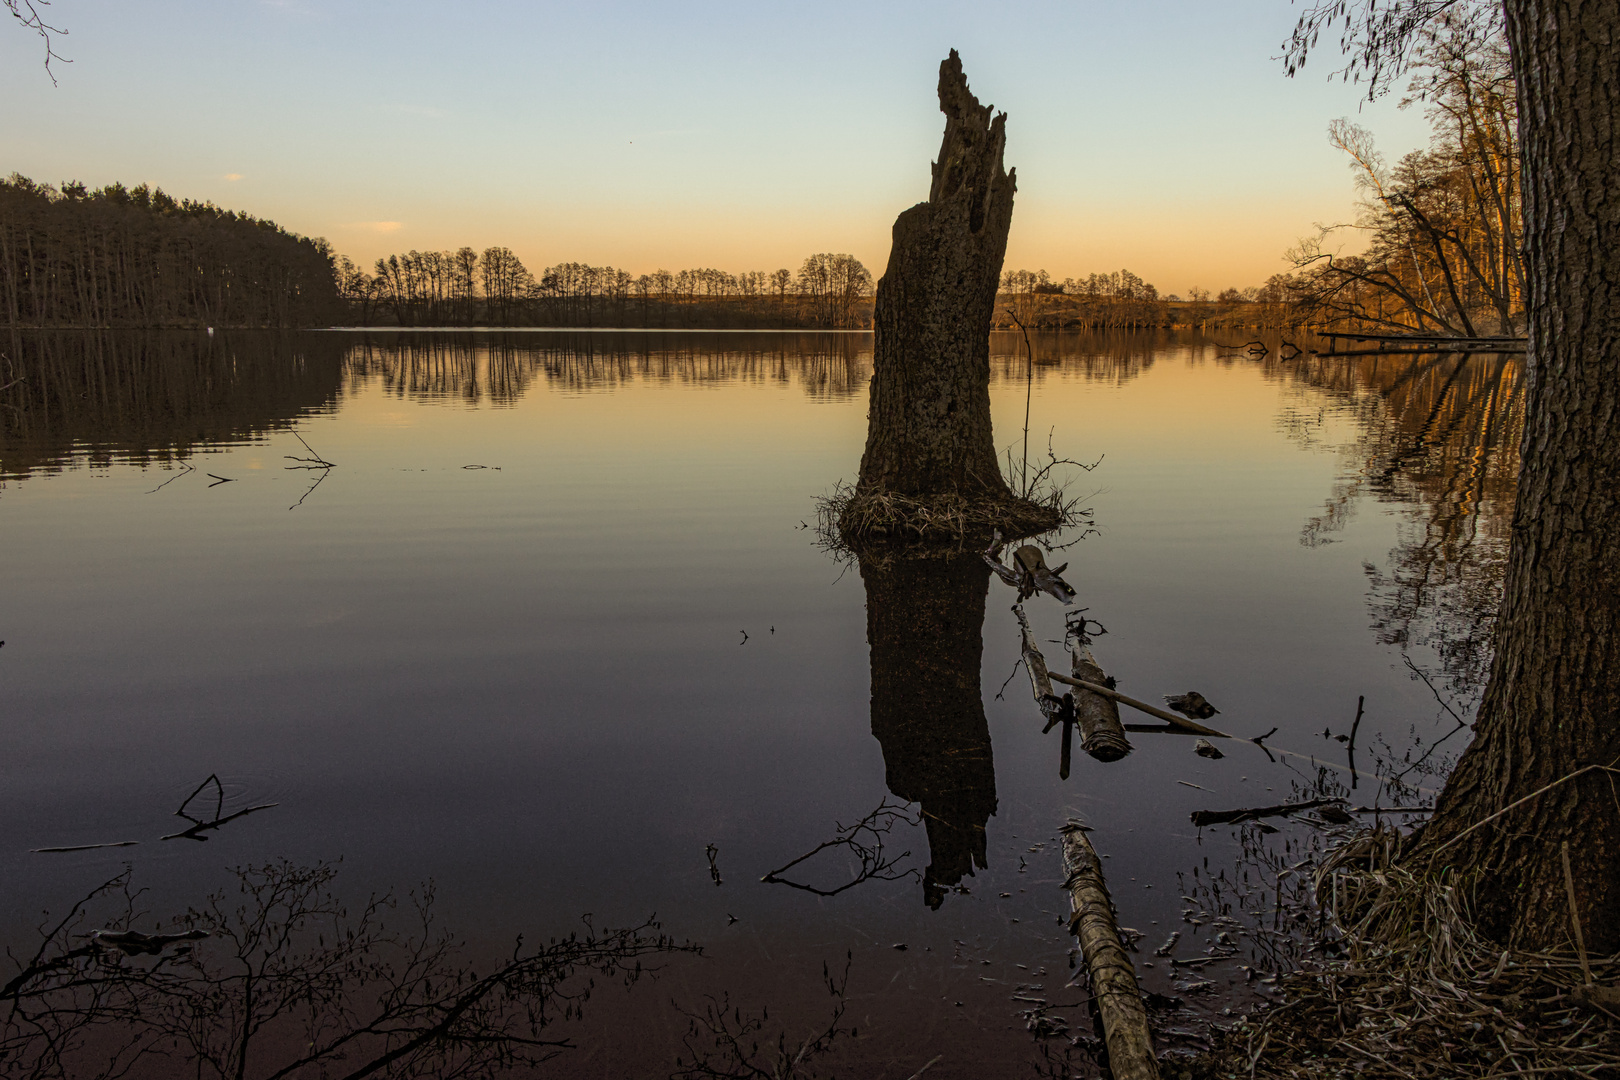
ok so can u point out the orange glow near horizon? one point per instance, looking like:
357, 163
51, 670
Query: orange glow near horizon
1175, 247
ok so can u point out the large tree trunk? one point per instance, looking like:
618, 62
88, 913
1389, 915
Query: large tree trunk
1552, 706
928, 430
925, 626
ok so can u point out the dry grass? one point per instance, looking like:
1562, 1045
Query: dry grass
1416, 992
848, 518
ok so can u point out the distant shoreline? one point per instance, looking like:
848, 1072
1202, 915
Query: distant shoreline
579, 330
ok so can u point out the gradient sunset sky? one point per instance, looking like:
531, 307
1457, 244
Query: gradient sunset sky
1158, 136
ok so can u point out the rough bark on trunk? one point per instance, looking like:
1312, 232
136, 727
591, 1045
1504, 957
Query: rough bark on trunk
929, 425
925, 627
928, 430
1552, 705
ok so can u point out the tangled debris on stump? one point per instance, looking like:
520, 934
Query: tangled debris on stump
1417, 993
854, 516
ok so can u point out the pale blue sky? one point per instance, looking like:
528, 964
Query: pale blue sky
1156, 136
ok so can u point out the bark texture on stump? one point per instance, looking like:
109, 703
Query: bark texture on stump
925, 627
929, 422
1552, 704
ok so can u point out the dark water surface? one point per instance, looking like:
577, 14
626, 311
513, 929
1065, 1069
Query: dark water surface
556, 620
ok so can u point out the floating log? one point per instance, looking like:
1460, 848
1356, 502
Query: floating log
1496, 339
1033, 564
1040, 680
1101, 735
135, 943
81, 847
1254, 813
1152, 710
1113, 977
1428, 350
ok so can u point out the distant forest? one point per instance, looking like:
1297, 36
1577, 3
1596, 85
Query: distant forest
123, 257
466, 288
137, 257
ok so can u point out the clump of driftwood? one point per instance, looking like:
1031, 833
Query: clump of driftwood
1029, 573
1093, 705
1141, 706
1417, 993
1101, 734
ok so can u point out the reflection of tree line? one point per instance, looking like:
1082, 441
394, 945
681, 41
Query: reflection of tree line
442, 369
153, 396
1113, 355
144, 397
502, 367
1438, 434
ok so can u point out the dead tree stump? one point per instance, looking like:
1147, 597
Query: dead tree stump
930, 464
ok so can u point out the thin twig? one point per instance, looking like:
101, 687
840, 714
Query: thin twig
1574, 912
1521, 802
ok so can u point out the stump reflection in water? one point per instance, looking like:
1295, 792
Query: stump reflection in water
924, 624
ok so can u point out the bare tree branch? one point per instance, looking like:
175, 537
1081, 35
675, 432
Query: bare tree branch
27, 12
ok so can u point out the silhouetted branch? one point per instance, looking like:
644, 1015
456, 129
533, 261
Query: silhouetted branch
1227, 817
27, 12
864, 840
723, 1042
198, 825
185, 467
1379, 41
276, 978
315, 461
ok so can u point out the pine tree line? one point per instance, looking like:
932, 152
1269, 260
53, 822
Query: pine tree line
117, 256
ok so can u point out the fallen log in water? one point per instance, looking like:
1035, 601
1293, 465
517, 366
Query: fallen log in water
1486, 339
1152, 710
1254, 813
1040, 680
1108, 965
992, 558
1428, 350
1101, 735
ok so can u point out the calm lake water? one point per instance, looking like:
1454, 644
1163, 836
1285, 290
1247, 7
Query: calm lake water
556, 621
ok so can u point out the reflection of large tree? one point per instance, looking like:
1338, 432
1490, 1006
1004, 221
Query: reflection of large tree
1439, 436
924, 623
